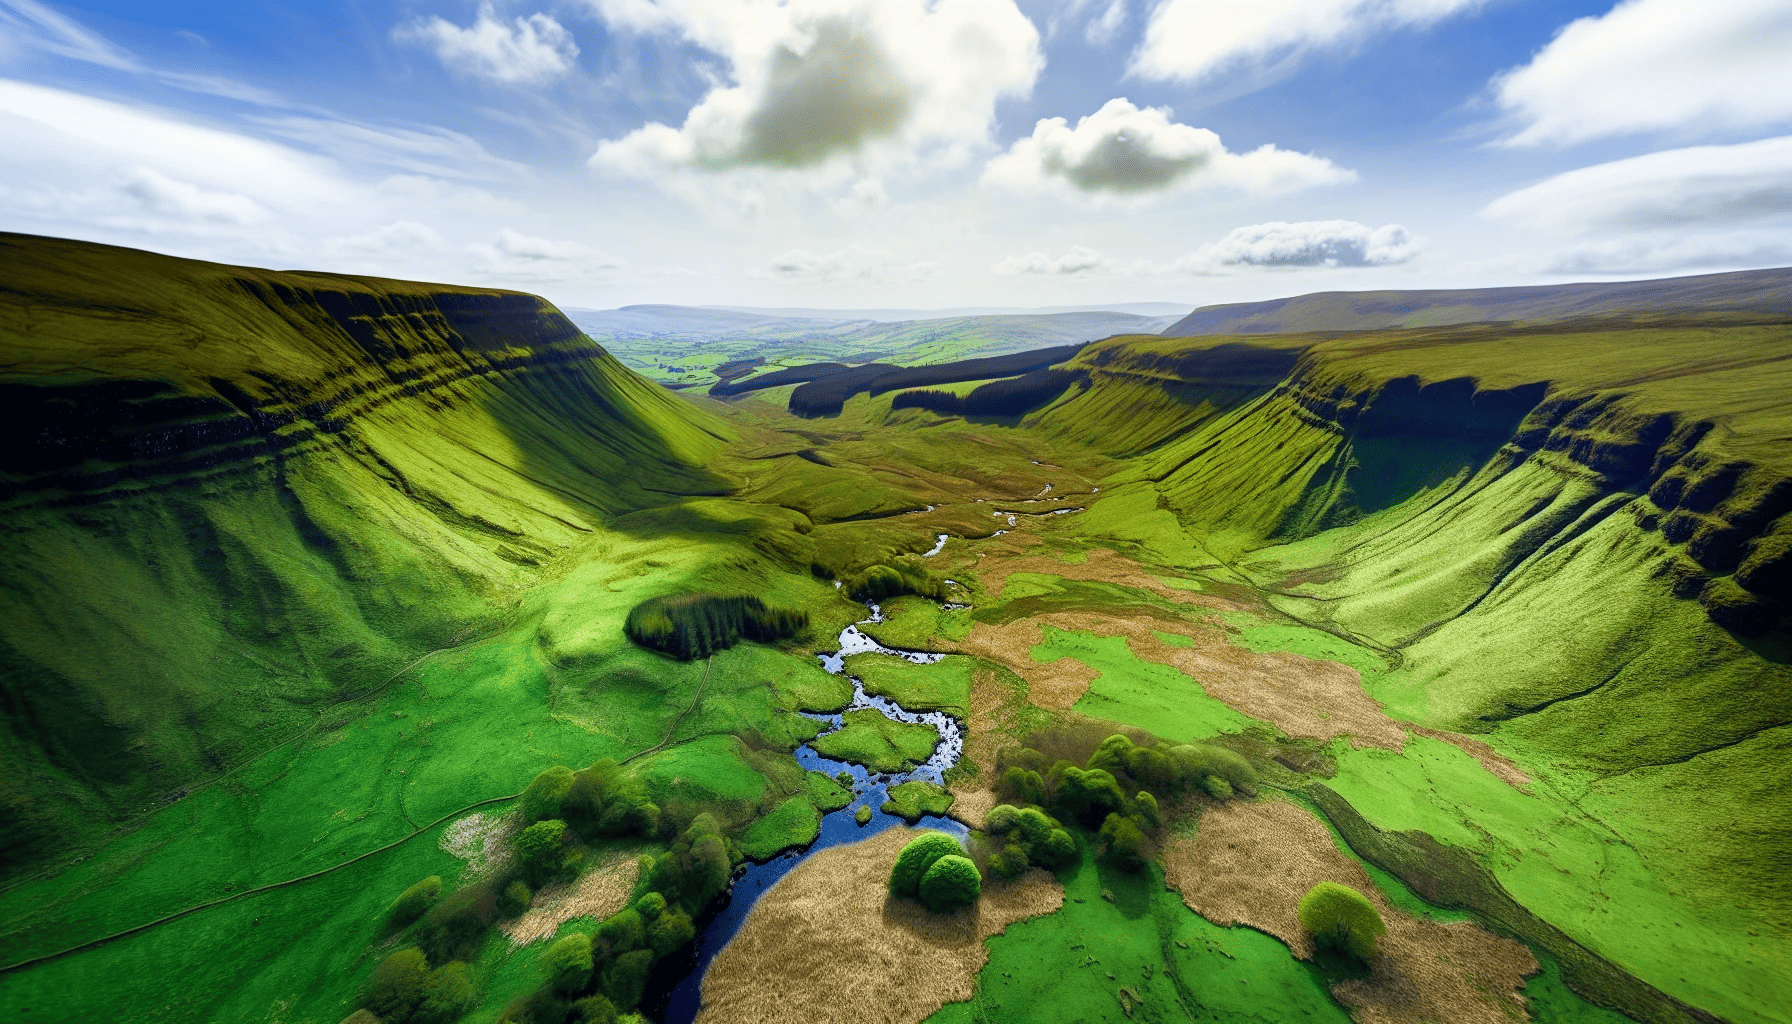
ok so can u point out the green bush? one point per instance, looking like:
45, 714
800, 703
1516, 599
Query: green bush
1123, 842
1194, 761
627, 978
950, 883
1087, 796
696, 868
1057, 850
538, 849
446, 995
697, 625
1009, 861
1341, 918
603, 800
1149, 815
515, 900
906, 576
451, 928
1034, 825
916, 858
542, 797
622, 932
411, 903
1021, 785
594, 1010
397, 984
1217, 787
650, 906
1110, 755
863, 814
670, 932
568, 963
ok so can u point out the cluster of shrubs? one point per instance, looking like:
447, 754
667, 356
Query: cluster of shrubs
592, 979
1025, 837
691, 626
1016, 396
561, 810
1053, 773
933, 868
902, 575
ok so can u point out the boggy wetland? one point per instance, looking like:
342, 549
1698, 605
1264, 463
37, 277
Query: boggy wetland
381, 651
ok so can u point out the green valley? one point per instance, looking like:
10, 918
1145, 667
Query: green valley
317, 587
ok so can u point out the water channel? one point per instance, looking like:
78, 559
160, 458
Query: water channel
837, 827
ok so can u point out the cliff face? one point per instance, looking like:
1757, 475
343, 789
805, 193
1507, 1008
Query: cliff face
304, 479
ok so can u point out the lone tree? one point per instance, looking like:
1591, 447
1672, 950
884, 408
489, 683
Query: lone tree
1341, 918
917, 857
951, 882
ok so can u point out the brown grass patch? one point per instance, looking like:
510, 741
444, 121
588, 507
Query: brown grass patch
598, 893
827, 944
1102, 565
1055, 686
1251, 863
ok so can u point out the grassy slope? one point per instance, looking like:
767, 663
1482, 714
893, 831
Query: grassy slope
1526, 590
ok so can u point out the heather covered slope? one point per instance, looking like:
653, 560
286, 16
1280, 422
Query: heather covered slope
1749, 290
235, 497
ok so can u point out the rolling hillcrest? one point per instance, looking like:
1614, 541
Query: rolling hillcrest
307, 576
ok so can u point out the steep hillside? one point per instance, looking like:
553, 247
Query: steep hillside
1749, 290
1575, 540
234, 497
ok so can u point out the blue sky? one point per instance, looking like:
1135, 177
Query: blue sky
921, 153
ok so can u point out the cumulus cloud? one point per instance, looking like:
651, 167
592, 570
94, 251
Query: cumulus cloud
524, 51
853, 263
811, 80
1309, 244
1079, 260
1123, 150
1652, 65
1189, 40
1697, 185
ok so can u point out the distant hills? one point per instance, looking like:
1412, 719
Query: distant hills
685, 346
1757, 291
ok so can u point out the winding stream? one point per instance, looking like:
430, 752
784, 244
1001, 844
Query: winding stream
837, 827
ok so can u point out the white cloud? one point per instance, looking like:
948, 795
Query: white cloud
432, 151
813, 80
1122, 150
185, 201
1310, 244
1669, 252
66, 138
1194, 39
1698, 185
397, 238
512, 255
1101, 29
1079, 260
1653, 65
853, 263
525, 51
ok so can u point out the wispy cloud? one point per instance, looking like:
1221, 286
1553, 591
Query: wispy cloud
1655, 65
1079, 260
1192, 40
